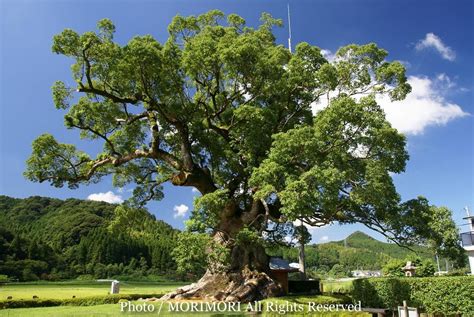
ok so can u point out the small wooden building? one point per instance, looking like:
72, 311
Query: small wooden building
279, 268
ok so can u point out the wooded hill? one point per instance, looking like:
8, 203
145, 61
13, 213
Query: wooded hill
358, 251
49, 238
362, 243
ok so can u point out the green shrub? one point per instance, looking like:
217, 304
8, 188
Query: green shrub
394, 268
144, 278
426, 269
84, 301
459, 272
305, 299
85, 277
381, 292
4, 278
444, 295
336, 287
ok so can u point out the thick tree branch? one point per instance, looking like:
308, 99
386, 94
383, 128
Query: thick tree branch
106, 94
186, 153
102, 136
115, 161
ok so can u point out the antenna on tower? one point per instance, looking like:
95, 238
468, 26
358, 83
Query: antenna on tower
289, 28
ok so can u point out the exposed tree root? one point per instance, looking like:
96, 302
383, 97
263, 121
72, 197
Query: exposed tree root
244, 286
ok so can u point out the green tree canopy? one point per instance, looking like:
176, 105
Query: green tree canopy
434, 227
222, 107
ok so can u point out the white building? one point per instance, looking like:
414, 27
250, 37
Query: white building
467, 239
366, 273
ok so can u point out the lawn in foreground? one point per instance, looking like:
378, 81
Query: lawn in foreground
64, 290
337, 286
163, 309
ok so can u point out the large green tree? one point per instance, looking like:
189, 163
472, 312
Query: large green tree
221, 107
434, 228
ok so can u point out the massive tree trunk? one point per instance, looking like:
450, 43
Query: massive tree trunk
246, 278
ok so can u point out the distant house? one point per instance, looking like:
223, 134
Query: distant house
366, 273
279, 269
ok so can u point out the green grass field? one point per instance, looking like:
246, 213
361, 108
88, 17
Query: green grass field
163, 310
63, 290
335, 286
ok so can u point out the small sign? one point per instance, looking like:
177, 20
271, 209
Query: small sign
115, 287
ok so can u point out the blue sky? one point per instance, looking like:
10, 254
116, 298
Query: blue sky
434, 39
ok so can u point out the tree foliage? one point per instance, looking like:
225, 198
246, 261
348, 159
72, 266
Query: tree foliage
45, 238
360, 252
434, 227
221, 107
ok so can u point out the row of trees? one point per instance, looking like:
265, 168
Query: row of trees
128, 241
334, 259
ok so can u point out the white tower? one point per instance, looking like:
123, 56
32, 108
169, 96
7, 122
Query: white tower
467, 239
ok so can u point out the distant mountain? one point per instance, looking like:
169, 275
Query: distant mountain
359, 251
360, 240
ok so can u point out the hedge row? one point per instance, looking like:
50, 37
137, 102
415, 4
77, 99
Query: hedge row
83, 301
433, 295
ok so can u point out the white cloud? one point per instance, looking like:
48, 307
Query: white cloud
445, 81
195, 190
324, 238
431, 40
108, 197
327, 54
180, 210
425, 106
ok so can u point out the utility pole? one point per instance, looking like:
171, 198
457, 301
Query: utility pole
437, 261
301, 260
289, 28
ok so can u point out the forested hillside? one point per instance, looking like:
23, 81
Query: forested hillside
46, 238
358, 251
